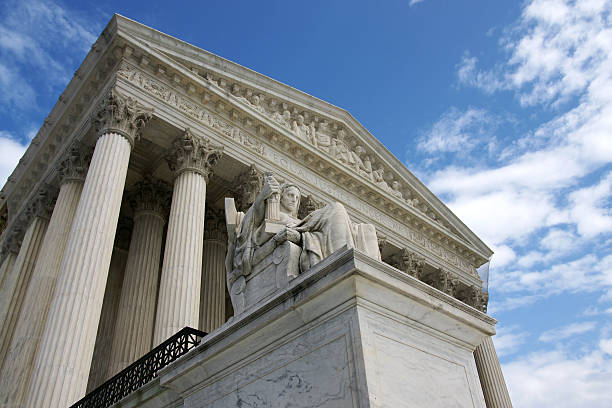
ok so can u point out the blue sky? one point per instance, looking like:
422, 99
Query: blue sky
503, 109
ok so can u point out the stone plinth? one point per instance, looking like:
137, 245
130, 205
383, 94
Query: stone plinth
350, 332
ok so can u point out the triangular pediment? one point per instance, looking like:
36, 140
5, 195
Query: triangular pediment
325, 131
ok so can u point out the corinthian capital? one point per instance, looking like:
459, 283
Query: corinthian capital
193, 153
74, 163
41, 205
121, 114
151, 196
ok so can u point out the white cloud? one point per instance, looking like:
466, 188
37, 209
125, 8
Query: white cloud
507, 340
503, 256
469, 75
564, 332
14, 90
521, 287
459, 132
556, 379
10, 153
591, 210
35, 34
558, 240
413, 2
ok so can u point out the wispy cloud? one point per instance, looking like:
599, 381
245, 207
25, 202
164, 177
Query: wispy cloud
35, 34
561, 333
10, 153
508, 339
557, 379
459, 131
551, 191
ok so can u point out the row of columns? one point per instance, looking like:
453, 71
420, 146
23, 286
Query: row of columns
52, 290
68, 256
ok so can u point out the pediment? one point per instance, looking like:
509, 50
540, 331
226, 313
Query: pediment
322, 132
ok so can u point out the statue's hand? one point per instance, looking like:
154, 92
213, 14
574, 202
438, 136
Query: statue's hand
287, 234
270, 187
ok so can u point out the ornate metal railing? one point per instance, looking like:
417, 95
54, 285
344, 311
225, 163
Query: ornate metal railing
142, 370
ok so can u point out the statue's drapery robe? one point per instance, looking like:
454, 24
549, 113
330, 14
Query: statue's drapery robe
323, 232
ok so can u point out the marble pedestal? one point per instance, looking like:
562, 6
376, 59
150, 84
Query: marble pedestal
350, 332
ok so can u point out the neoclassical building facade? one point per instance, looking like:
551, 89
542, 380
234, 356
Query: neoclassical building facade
115, 232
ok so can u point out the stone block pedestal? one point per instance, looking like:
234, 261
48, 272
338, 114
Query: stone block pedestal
350, 332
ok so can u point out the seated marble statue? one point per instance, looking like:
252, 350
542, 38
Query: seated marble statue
272, 221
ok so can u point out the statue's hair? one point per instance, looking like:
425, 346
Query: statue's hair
287, 185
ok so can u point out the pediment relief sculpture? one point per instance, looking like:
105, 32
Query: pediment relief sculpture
270, 239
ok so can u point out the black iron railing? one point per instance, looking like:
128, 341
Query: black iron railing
142, 370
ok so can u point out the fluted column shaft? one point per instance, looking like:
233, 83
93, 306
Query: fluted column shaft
7, 265
212, 302
17, 368
136, 316
16, 282
179, 292
64, 358
62, 366
491, 377
212, 297
191, 158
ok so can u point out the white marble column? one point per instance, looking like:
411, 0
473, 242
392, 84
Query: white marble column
191, 159
136, 316
100, 363
491, 377
64, 358
8, 254
16, 283
212, 295
17, 368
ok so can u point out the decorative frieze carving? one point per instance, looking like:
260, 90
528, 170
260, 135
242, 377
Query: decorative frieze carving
75, 162
150, 196
121, 114
193, 153
248, 185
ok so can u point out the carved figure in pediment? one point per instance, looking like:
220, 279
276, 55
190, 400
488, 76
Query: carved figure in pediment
379, 179
271, 227
396, 189
257, 104
322, 141
284, 119
367, 168
359, 164
340, 148
303, 131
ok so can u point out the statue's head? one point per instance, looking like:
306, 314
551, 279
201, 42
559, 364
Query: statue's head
290, 199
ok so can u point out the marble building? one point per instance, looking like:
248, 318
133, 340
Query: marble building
117, 223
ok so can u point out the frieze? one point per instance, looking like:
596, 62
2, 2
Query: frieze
198, 113
188, 107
